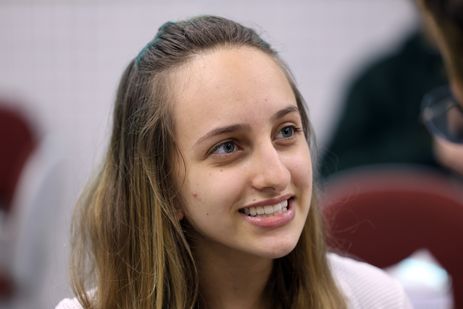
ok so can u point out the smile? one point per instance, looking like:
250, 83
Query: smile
266, 211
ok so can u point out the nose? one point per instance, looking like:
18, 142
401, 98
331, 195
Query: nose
269, 171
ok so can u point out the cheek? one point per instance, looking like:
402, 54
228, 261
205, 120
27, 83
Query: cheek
302, 177
300, 166
211, 191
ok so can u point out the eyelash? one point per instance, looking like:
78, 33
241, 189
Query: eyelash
295, 130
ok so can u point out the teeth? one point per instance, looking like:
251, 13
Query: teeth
267, 210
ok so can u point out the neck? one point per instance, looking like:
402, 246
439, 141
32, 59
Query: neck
231, 279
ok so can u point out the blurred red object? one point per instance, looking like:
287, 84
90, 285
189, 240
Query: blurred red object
17, 142
384, 215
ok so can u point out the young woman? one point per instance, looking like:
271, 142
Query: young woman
206, 197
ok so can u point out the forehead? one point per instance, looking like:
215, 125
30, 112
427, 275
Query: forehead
227, 83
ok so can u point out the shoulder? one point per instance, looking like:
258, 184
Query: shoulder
69, 304
366, 286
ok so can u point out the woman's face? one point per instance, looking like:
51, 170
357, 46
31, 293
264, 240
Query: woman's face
246, 176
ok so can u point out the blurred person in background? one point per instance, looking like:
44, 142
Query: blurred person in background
443, 108
379, 123
442, 115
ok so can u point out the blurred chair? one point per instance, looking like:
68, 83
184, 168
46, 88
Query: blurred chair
383, 215
17, 142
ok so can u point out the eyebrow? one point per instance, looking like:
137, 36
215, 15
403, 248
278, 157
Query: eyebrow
222, 130
241, 127
285, 111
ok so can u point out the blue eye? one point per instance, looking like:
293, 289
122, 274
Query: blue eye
225, 148
287, 132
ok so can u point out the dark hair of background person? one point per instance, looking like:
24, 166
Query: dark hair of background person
448, 16
129, 248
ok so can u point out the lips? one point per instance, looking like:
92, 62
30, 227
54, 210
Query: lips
267, 208
270, 214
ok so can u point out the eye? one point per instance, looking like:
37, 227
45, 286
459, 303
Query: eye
224, 148
287, 132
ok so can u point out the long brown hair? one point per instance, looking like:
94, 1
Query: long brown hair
129, 248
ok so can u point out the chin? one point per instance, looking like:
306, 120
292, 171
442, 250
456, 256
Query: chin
279, 249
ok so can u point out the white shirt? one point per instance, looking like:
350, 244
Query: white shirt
364, 286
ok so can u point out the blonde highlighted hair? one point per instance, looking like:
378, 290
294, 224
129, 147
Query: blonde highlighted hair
129, 248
